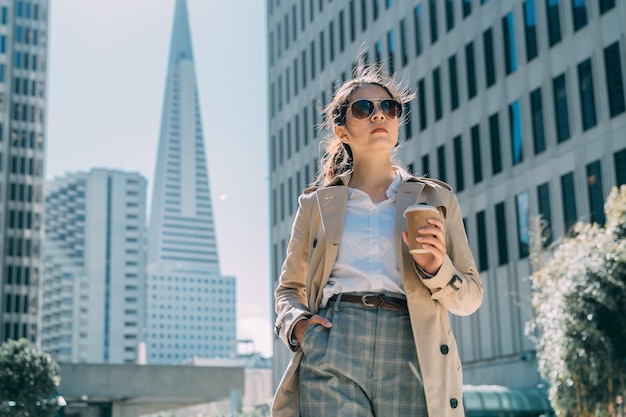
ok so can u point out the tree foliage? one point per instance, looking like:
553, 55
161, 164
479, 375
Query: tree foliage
28, 381
579, 298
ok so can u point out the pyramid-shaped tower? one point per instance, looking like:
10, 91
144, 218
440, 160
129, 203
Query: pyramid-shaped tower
190, 306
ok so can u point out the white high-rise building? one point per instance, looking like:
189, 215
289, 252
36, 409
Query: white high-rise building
93, 280
520, 107
191, 307
23, 96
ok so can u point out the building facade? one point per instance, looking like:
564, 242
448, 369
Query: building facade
520, 107
191, 307
23, 95
94, 261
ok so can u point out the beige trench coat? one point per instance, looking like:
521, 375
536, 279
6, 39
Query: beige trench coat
457, 288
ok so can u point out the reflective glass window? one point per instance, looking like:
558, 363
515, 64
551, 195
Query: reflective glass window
614, 79
510, 55
476, 154
517, 138
560, 108
585, 90
568, 200
494, 135
521, 208
596, 195
536, 112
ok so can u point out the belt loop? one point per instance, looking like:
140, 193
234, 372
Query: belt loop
337, 301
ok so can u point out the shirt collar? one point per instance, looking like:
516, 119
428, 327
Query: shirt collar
392, 190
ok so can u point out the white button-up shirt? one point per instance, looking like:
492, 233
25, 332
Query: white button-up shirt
366, 261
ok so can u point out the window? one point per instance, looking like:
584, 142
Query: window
476, 154
303, 59
305, 123
449, 15
614, 80
342, 30
441, 162
521, 208
510, 56
312, 51
490, 63
554, 22
437, 93
503, 248
458, 163
568, 198
426, 165
536, 110
471, 70
322, 56
579, 14
467, 7
596, 196
378, 50
408, 127
494, 135
517, 138
352, 24
404, 46
331, 40
605, 5
483, 253
560, 108
543, 198
454, 87
620, 167
363, 15
375, 9
421, 92
432, 8
417, 23
391, 52
585, 89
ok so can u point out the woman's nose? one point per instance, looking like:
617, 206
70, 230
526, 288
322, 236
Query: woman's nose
378, 111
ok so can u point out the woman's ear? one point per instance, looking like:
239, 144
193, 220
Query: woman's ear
340, 132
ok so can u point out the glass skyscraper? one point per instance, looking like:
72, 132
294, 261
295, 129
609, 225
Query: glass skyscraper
23, 89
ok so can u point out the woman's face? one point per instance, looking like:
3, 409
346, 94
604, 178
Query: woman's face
376, 133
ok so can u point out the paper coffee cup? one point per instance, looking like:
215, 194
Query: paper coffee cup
417, 217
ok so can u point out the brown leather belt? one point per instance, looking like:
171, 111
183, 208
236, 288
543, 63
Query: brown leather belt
374, 300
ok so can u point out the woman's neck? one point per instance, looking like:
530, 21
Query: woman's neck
373, 179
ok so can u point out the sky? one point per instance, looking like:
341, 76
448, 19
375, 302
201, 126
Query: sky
107, 66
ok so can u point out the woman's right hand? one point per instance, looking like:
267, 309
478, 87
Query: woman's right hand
302, 325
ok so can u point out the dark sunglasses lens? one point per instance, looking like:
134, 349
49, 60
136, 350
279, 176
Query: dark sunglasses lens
391, 108
361, 109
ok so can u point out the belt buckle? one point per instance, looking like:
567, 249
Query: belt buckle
379, 300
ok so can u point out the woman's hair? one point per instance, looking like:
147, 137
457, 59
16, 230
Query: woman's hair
337, 156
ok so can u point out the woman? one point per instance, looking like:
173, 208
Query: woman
368, 320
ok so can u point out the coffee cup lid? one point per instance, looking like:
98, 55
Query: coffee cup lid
422, 206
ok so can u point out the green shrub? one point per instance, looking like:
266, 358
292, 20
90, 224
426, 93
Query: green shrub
28, 381
579, 299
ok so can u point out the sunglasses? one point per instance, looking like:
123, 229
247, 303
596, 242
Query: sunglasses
363, 109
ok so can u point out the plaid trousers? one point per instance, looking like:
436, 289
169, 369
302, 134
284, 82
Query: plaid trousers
360, 366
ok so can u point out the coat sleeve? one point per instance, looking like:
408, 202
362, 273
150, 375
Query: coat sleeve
290, 295
457, 285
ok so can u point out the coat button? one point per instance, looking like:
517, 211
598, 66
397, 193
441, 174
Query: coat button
444, 349
314, 242
454, 403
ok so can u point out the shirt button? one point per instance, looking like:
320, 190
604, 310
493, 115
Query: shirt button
454, 403
444, 349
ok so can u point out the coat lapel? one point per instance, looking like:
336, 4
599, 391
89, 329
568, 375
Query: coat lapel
333, 202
